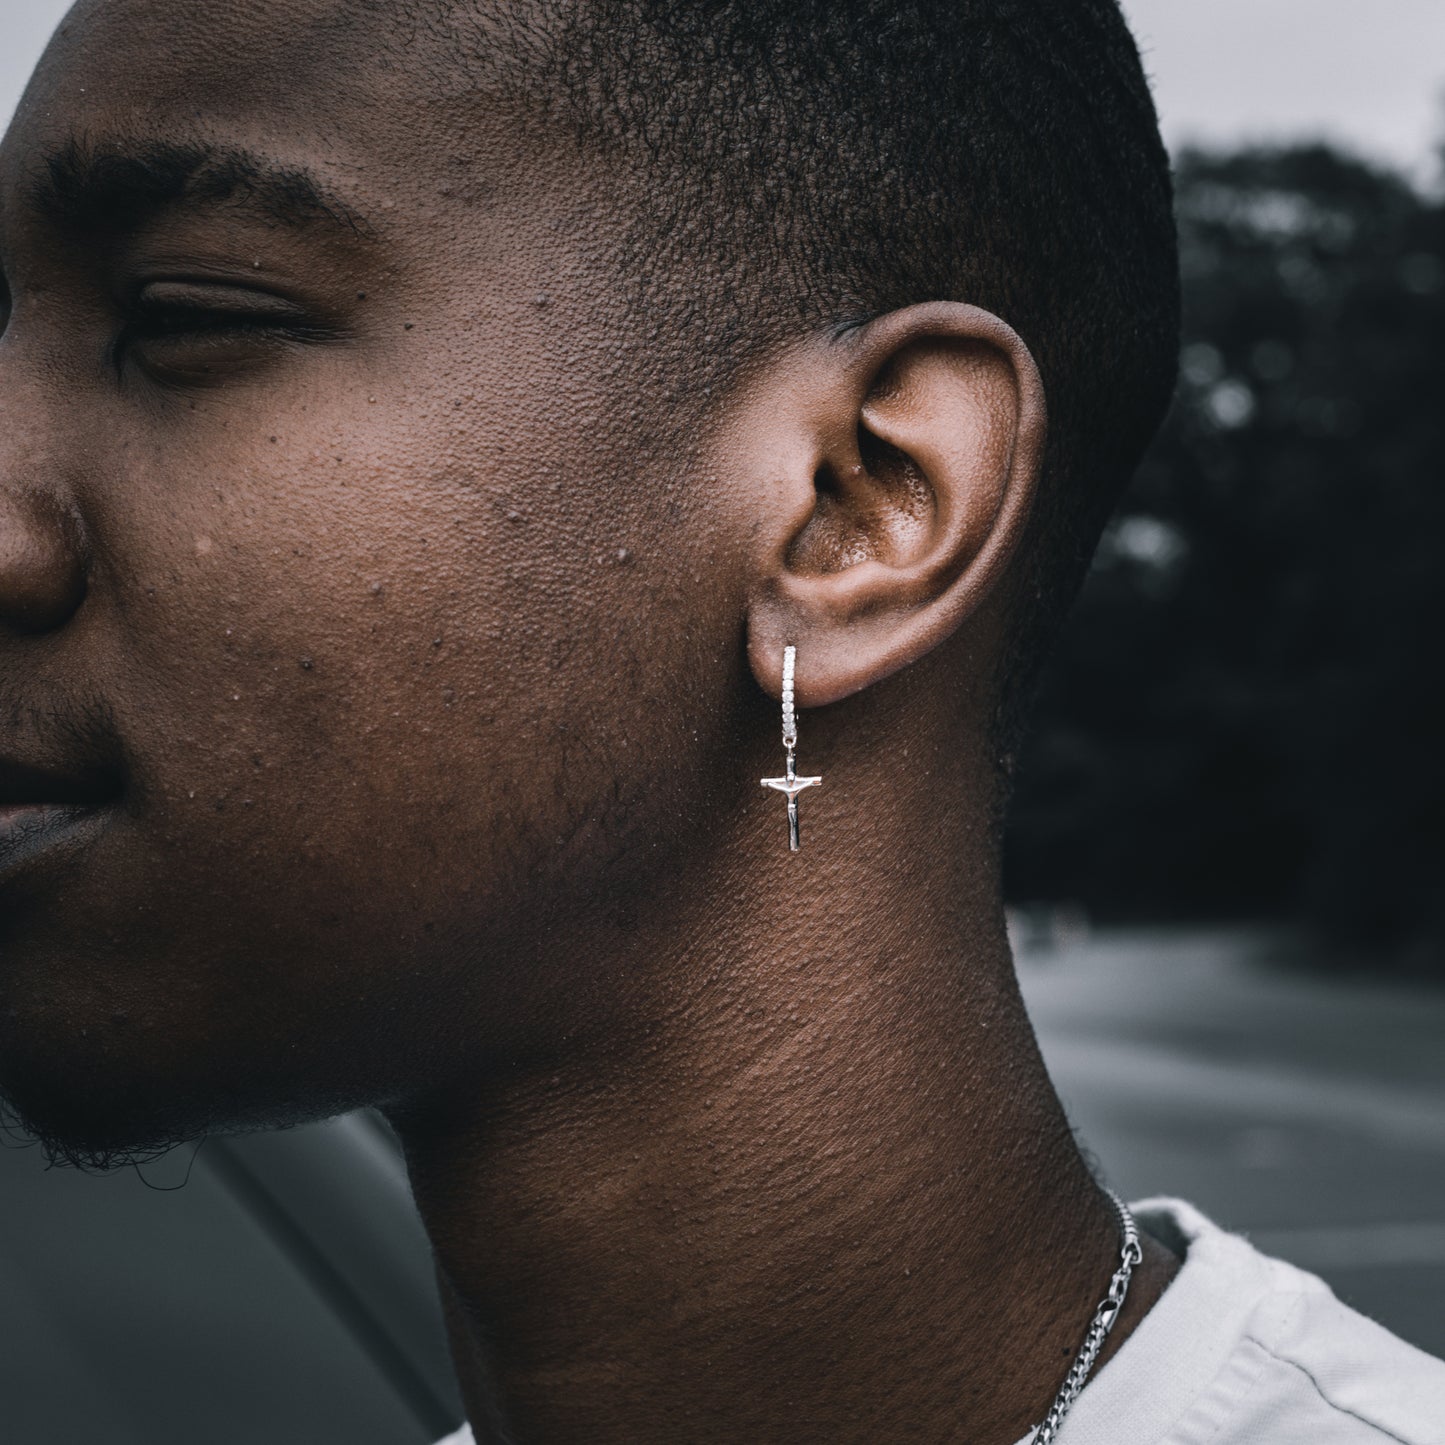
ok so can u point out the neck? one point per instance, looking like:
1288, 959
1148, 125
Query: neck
825, 1192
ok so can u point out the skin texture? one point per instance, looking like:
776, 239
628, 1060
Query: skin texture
418, 677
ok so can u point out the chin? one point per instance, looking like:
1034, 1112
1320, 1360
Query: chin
88, 1144
110, 1052
98, 1101
115, 1045
100, 1119
94, 1128
94, 1085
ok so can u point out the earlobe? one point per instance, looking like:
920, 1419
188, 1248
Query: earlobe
926, 443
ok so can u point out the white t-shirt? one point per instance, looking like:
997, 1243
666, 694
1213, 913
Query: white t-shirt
1245, 1350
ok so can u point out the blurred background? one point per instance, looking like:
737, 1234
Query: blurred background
1226, 852
1245, 718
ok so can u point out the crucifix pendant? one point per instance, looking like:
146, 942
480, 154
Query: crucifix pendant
790, 785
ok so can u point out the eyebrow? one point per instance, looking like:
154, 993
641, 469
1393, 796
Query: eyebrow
115, 187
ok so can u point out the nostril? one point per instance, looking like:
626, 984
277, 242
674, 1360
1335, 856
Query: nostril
42, 562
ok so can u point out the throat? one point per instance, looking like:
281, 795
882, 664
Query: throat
833, 1210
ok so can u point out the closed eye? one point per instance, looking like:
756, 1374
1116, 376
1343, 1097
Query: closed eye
162, 321
198, 331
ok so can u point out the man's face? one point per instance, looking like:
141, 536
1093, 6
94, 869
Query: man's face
311, 378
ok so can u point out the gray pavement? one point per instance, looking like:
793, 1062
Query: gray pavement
1306, 1113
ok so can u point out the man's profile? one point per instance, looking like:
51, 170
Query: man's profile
427, 425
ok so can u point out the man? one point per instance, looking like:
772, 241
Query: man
427, 428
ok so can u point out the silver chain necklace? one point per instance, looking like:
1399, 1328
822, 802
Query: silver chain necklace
1099, 1327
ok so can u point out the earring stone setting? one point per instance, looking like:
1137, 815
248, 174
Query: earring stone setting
790, 784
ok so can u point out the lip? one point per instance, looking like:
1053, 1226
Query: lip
30, 832
47, 813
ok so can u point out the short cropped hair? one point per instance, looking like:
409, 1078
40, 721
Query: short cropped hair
798, 165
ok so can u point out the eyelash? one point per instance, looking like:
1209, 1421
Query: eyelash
158, 322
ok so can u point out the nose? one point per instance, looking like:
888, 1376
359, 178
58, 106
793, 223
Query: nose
42, 562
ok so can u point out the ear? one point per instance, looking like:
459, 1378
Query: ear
910, 452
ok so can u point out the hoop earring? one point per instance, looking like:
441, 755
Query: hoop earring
790, 784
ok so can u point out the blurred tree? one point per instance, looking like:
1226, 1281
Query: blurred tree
1245, 717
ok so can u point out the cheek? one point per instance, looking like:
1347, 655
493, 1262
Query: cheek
381, 688
340, 637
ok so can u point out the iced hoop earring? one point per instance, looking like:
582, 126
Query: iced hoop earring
790, 784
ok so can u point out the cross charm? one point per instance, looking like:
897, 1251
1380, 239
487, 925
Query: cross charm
790, 785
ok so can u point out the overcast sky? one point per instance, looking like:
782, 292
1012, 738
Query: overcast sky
1371, 75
